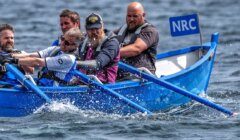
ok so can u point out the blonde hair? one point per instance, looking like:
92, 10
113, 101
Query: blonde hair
74, 32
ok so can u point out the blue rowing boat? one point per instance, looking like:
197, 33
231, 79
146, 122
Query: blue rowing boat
189, 69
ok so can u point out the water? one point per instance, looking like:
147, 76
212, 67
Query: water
36, 24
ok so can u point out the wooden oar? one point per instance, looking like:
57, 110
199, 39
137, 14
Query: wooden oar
25, 82
111, 92
173, 88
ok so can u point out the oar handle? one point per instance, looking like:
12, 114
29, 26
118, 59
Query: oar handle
113, 93
173, 88
25, 82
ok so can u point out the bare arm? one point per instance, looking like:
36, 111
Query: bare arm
22, 55
27, 69
32, 62
133, 49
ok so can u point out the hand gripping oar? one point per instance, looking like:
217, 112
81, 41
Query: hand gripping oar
111, 92
173, 87
25, 82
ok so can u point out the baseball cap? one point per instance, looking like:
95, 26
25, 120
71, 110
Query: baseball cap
94, 21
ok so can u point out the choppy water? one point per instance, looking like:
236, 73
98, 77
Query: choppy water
36, 24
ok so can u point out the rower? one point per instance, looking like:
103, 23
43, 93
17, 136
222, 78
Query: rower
59, 62
99, 52
68, 19
6, 49
139, 41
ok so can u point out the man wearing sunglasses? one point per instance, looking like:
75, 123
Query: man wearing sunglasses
58, 62
99, 52
68, 19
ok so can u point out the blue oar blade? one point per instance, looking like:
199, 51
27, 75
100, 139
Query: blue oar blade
113, 93
173, 88
23, 80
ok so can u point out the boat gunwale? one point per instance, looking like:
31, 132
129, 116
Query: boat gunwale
132, 83
198, 63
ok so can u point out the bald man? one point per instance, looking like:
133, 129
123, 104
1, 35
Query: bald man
139, 40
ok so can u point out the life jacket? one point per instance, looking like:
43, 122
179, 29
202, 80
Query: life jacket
109, 73
49, 78
56, 43
129, 38
6, 76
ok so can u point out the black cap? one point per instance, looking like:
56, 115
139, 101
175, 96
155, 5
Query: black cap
94, 21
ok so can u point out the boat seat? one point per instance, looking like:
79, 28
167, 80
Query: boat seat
93, 77
136, 78
144, 69
29, 77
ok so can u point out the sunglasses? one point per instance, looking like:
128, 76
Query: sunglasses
67, 43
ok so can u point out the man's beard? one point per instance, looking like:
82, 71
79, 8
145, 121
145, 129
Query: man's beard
133, 28
7, 48
95, 41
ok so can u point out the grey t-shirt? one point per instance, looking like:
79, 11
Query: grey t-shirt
150, 36
61, 63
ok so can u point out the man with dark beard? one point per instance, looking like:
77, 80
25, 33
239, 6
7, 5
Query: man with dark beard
99, 52
6, 49
7, 38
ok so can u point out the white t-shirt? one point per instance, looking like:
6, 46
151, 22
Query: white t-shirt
61, 63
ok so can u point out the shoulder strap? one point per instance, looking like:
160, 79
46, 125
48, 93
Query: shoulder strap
82, 50
137, 32
122, 33
122, 30
100, 45
139, 29
83, 46
55, 51
124, 27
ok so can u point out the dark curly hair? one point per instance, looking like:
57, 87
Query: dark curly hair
6, 27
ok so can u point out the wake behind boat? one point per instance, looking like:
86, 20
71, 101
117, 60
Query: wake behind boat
189, 68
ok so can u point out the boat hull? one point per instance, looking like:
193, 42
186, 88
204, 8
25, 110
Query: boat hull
195, 78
